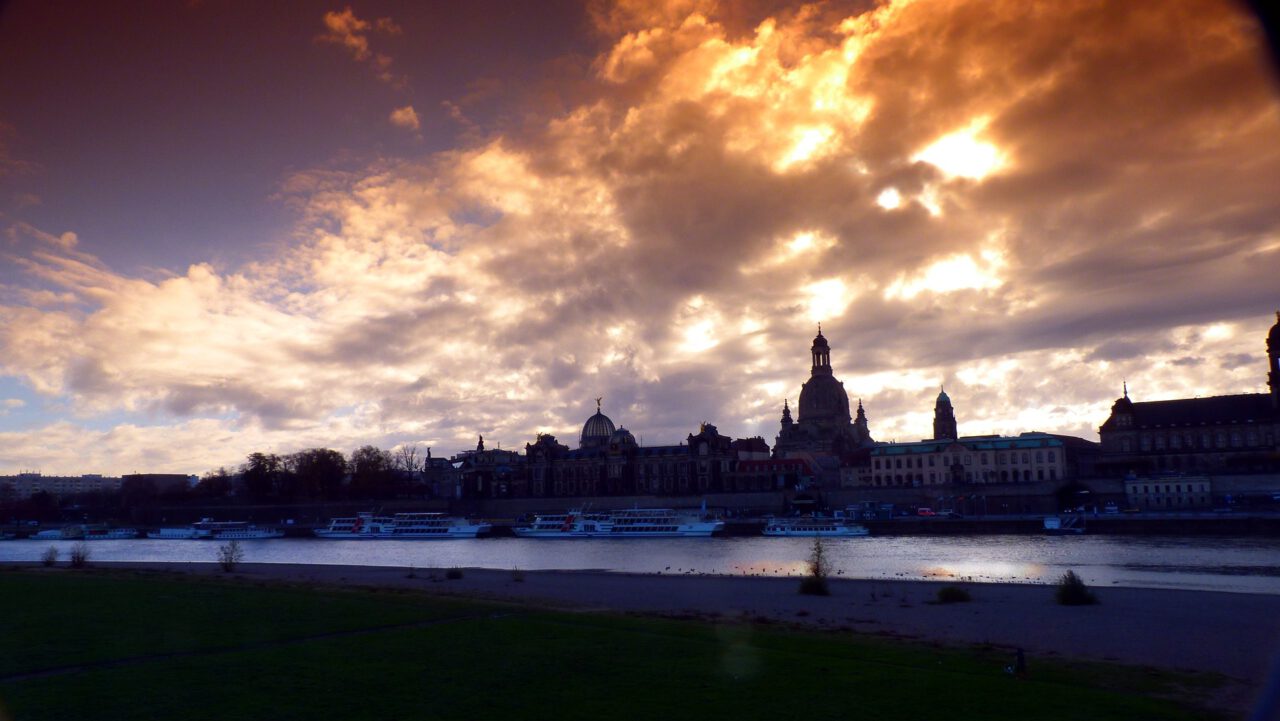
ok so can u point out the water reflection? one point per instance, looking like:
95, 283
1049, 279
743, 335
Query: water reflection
1230, 564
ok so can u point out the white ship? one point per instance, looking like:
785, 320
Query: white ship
823, 527
402, 525
208, 529
630, 523
85, 533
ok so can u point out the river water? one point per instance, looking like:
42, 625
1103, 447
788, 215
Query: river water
1237, 564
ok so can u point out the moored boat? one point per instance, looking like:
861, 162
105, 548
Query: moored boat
629, 523
407, 526
815, 527
208, 529
85, 532
1064, 525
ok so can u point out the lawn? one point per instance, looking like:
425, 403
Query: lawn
81, 645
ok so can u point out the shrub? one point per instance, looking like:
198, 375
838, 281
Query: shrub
80, 555
453, 574
953, 594
517, 575
1072, 591
815, 583
230, 555
50, 556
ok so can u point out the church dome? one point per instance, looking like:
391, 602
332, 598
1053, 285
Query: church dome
943, 398
622, 437
596, 431
821, 397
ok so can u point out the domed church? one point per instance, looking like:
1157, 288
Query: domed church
825, 424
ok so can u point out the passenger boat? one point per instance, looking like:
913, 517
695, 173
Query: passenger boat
80, 532
813, 526
402, 525
630, 523
208, 529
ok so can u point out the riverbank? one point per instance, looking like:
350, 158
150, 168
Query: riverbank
120, 643
1234, 634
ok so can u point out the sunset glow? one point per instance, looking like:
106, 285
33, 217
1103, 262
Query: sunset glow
415, 224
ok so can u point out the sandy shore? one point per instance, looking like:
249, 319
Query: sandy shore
1230, 633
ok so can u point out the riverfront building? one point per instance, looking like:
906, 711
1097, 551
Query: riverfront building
22, 486
1220, 434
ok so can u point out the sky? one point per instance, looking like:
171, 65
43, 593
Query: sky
230, 226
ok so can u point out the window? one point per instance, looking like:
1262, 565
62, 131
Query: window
931, 460
1175, 441
1026, 458
1053, 457
1039, 456
1235, 439
1040, 474
1159, 443
983, 459
1144, 442
968, 459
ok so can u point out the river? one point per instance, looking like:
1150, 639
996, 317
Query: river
1236, 564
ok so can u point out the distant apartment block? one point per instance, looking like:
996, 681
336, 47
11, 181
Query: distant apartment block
24, 485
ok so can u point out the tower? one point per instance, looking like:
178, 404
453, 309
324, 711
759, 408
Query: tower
944, 417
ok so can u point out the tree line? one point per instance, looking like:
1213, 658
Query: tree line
320, 474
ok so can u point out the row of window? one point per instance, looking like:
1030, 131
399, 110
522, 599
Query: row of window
1002, 458
986, 476
1203, 440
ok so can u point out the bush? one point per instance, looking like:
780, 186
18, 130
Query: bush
453, 574
1072, 591
953, 594
80, 555
517, 575
230, 555
50, 556
815, 583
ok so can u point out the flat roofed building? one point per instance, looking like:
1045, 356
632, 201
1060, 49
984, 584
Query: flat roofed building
1024, 458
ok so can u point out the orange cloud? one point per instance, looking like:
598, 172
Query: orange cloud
343, 28
668, 243
405, 117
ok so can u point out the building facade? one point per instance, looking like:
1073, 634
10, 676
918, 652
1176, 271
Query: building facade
1219, 434
973, 459
22, 486
609, 462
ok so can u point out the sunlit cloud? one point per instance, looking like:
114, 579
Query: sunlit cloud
957, 272
962, 154
828, 299
405, 117
889, 198
344, 29
668, 237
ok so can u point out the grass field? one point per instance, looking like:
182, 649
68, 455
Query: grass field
89, 645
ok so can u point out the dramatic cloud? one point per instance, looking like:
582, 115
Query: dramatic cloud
1027, 202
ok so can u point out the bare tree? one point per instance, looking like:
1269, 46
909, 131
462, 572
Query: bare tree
406, 458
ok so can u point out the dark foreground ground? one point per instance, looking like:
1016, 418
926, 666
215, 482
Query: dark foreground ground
134, 644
